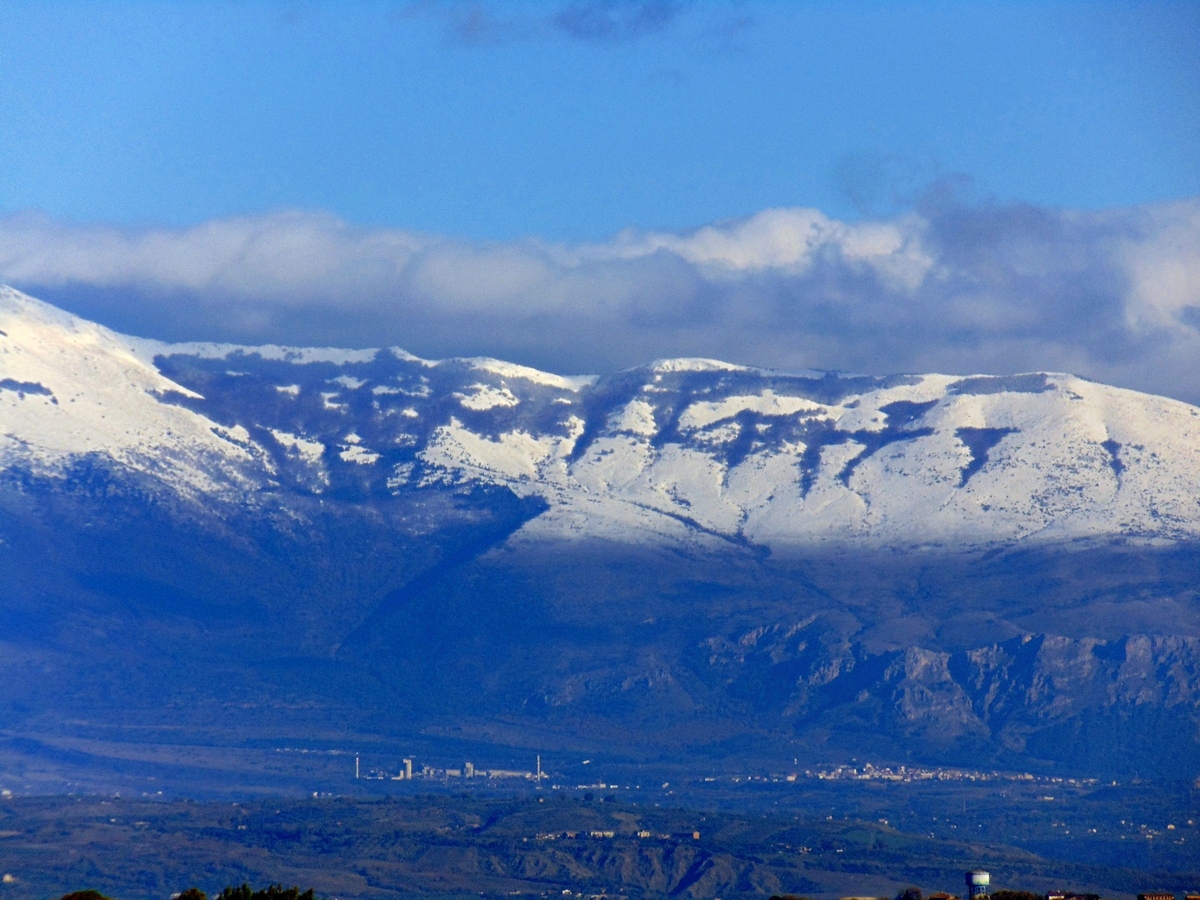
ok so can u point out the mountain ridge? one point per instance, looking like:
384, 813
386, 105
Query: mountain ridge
683, 451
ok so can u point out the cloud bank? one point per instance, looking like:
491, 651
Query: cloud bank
951, 287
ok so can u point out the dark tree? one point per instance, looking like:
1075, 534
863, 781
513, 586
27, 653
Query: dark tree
85, 895
271, 892
909, 893
192, 893
1017, 895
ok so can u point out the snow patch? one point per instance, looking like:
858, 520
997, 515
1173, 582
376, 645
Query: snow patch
694, 364
512, 370
237, 435
637, 417
514, 456
768, 403
401, 475
405, 356
483, 396
307, 449
357, 453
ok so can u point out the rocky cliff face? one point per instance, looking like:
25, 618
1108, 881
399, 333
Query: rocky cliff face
1034, 694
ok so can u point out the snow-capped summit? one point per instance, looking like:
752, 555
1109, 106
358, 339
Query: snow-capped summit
70, 388
681, 451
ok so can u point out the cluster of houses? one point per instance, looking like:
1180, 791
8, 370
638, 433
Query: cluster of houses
644, 835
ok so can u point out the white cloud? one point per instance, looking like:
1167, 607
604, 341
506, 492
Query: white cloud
1164, 268
285, 256
1113, 295
788, 241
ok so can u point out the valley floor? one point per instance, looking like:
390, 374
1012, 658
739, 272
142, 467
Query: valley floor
728, 837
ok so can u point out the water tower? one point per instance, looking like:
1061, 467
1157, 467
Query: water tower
977, 885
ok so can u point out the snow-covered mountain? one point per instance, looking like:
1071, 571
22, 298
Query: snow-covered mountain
690, 554
683, 452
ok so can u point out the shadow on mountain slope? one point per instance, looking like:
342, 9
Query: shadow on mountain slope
414, 615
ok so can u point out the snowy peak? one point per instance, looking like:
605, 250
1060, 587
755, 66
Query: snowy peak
686, 452
71, 389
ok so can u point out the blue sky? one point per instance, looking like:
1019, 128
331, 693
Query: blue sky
572, 121
584, 185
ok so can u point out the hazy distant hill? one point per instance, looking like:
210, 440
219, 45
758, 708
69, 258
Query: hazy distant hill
998, 570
